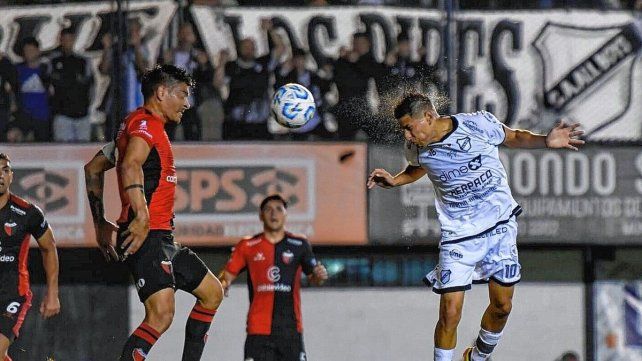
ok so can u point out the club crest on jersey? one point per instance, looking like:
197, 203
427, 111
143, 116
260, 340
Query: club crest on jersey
287, 256
445, 276
8, 228
475, 163
464, 143
167, 267
588, 76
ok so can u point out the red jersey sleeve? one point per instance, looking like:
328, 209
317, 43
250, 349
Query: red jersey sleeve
237, 263
148, 130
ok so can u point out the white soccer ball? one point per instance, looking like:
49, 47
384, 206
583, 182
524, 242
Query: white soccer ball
293, 105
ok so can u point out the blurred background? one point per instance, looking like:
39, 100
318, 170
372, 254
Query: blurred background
70, 70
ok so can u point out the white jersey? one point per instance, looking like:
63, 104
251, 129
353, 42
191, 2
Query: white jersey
471, 186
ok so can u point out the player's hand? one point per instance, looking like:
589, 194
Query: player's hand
105, 231
320, 274
380, 177
135, 235
564, 136
50, 306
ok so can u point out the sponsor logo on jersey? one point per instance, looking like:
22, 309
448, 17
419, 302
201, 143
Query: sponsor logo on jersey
470, 124
8, 227
7, 259
444, 276
295, 242
287, 256
172, 179
477, 182
494, 232
464, 143
167, 267
475, 163
274, 274
276, 287
259, 257
456, 254
17, 210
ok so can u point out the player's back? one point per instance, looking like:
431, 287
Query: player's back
471, 185
21, 220
158, 169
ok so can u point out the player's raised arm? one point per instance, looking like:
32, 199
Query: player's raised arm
561, 136
381, 177
132, 173
94, 181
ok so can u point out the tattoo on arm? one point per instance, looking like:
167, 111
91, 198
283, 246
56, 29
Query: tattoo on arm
95, 184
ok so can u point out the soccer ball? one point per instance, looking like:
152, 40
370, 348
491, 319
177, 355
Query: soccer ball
293, 105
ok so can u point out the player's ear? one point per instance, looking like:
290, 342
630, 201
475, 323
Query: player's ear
161, 92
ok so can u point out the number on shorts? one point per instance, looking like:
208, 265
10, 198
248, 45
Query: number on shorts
511, 270
13, 307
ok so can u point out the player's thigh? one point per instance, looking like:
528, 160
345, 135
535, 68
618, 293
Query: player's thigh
291, 348
451, 305
260, 348
191, 273
151, 266
4, 345
501, 264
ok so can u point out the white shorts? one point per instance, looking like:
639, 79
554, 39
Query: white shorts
491, 255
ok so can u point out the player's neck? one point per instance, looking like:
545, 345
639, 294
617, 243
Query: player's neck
443, 126
156, 110
274, 236
4, 199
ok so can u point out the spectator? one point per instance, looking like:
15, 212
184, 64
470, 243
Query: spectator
33, 84
134, 63
569, 356
401, 69
72, 80
197, 64
8, 82
295, 71
352, 73
247, 107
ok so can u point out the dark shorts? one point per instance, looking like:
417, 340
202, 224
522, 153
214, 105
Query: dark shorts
13, 315
161, 263
275, 348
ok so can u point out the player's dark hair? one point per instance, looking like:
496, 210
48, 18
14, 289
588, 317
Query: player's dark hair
68, 31
273, 197
5, 157
166, 75
410, 104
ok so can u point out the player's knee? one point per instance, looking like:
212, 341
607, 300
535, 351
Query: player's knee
450, 314
160, 316
502, 307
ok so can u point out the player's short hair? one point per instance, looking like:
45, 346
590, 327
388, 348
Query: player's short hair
5, 157
413, 105
29, 40
68, 31
273, 197
166, 75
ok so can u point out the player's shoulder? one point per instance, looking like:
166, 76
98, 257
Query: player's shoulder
21, 206
250, 241
296, 239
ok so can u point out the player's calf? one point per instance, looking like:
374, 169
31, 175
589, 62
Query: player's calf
210, 295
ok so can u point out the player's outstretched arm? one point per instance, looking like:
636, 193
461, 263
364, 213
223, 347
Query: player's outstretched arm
95, 181
563, 135
133, 184
50, 305
381, 177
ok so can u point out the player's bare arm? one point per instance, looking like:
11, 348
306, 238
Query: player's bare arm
226, 279
319, 275
381, 177
95, 181
132, 171
563, 135
50, 305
